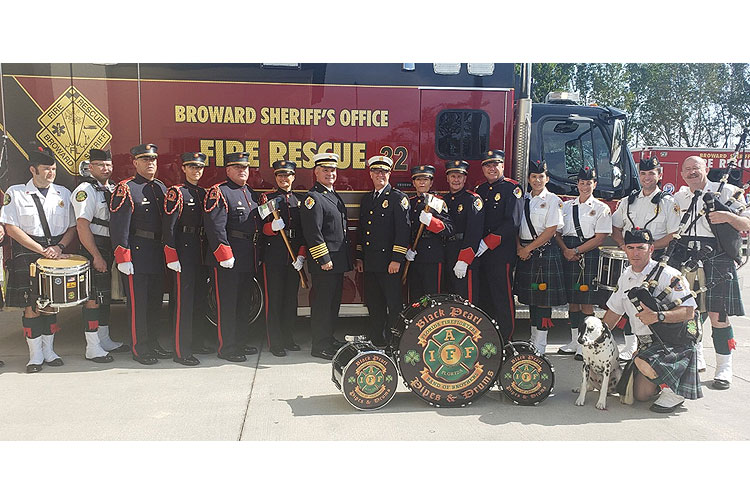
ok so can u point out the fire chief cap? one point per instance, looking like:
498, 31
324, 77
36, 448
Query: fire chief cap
326, 160
380, 163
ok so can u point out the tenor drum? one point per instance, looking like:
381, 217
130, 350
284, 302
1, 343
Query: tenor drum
62, 282
612, 261
525, 377
364, 374
447, 351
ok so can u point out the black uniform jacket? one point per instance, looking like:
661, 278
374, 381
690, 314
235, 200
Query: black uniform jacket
383, 232
183, 236
274, 248
465, 209
431, 246
324, 225
503, 209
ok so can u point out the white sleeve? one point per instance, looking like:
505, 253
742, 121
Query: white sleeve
673, 214
684, 290
615, 301
554, 214
83, 209
604, 222
9, 214
618, 217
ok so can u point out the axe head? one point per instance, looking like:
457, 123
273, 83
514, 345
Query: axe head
436, 204
268, 207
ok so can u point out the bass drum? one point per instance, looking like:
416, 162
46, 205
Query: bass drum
448, 351
526, 377
364, 374
252, 302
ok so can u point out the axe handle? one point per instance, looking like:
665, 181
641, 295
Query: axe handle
414, 245
302, 277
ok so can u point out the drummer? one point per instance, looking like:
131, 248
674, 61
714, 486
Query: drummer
539, 272
588, 222
39, 218
649, 208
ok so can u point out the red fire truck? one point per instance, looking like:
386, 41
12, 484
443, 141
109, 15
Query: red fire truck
414, 113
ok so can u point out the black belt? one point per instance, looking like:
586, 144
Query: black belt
100, 239
192, 229
291, 233
456, 237
525, 242
147, 234
240, 234
100, 222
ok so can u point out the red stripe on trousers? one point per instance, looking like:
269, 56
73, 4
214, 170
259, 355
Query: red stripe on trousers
218, 308
177, 320
132, 311
440, 274
469, 291
512, 302
265, 299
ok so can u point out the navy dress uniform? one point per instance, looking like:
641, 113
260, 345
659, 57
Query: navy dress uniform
279, 274
428, 259
382, 237
324, 225
503, 210
232, 226
135, 226
466, 211
184, 248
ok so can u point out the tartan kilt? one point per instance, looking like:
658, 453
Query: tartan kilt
545, 268
676, 366
572, 270
101, 283
21, 289
725, 296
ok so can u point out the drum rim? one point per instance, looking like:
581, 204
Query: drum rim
361, 353
612, 251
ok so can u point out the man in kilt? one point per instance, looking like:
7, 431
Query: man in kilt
723, 296
661, 362
539, 272
90, 201
587, 223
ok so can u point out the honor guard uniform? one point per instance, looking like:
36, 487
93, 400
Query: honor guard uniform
585, 220
40, 220
698, 241
135, 227
466, 210
184, 248
655, 211
382, 240
281, 273
90, 201
539, 272
428, 258
503, 209
324, 224
232, 227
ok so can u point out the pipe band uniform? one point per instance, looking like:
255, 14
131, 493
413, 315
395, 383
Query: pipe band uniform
136, 207
40, 221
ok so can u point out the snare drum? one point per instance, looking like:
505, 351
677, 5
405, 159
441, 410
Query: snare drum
526, 377
448, 351
364, 374
612, 261
62, 282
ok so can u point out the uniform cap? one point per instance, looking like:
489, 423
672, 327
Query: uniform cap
326, 160
100, 155
423, 170
143, 150
284, 166
537, 167
493, 155
380, 163
457, 166
241, 158
638, 235
648, 163
190, 158
40, 155
587, 174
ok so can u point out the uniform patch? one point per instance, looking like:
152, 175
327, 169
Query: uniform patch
559, 205
593, 213
497, 197
6, 199
309, 202
478, 204
543, 205
81, 195
61, 204
404, 203
385, 203
678, 286
517, 192
676, 209
460, 208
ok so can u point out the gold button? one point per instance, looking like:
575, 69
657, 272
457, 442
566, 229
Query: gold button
370, 212
369, 222
368, 232
367, 243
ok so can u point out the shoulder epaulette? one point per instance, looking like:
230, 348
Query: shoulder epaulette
173, 200
213, 196
512, 181
123, 192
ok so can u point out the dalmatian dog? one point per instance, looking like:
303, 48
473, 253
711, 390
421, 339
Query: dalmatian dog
600, 367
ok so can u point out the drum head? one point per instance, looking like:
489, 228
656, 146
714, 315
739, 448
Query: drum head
449, 353
369, 380
526, 377
70, 261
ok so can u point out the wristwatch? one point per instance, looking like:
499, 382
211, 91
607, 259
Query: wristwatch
62, 247
576, 250
661, 317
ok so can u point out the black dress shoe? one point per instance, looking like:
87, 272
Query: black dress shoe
146, 359
578, 357
33, 368
55, 362
663, 409
249, 350
189, 361
202, 350
234, 358
122, 349
721, 384
102, 359
161, 353
2, 363
279, 353
290, 347
326, 353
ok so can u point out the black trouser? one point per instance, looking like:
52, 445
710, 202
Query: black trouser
189, 309
467, 287
496, 294
281, 285
383, 300
325, 300
424, 279
230, 325
144, 293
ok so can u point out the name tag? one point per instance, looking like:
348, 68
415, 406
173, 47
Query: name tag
145, 202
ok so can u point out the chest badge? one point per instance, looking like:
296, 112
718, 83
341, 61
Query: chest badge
497, 196
543, 205
385, 203
61, 204
593, 213
460, 208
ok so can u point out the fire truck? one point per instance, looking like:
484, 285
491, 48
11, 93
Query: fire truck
414, 113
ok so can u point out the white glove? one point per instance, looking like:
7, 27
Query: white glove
410, 254
460, 269
175, 266
125, 267
425, 218
297, 264
278, 224
482, 248
229, 263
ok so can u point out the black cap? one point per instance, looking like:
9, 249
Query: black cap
456, 166
142, 150
537, 167
284, 167
100, 155
638, 235
423, 170
587, 174
190, 158
40, 155
242, 158
648, 163
493, 155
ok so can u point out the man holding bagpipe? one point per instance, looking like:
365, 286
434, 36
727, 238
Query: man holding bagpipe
715, 216
661, 310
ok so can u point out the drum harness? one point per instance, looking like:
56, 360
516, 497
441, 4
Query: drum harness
583, 239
